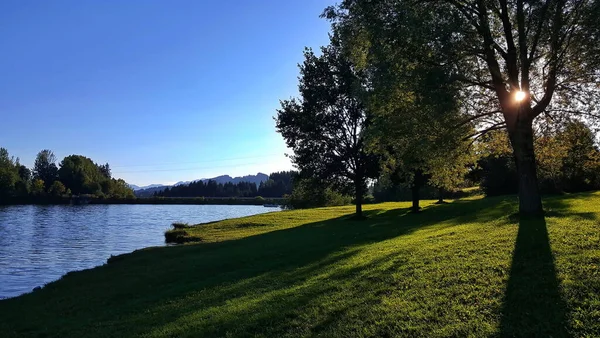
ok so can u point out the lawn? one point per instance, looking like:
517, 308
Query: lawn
468, 268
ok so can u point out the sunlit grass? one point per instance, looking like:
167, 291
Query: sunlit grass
450, 271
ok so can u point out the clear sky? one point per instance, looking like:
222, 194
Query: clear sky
164, 91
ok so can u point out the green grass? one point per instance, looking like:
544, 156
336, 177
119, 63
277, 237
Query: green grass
467, 268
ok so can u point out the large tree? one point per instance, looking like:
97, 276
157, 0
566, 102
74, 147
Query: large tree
45, 168
9, 173
516, 60
326, 126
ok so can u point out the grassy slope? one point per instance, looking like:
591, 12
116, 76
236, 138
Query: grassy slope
462, 269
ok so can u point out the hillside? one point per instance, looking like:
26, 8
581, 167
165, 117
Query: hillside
468, 268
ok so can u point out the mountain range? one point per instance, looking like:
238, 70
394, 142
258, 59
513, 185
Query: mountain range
149, 190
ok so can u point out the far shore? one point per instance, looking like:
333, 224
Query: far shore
153, 200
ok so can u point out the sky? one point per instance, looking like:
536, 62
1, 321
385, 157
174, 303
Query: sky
163, 91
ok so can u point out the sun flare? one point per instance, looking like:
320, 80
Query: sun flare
520, 96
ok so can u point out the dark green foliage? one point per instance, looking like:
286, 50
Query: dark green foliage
80, 174
568, 161
499, 176
10, 181
313, 193
278, 185
48, 184
45, 168
177, 235
326, 127
178, 225
581, 166
481, 54
387, 191
57, 189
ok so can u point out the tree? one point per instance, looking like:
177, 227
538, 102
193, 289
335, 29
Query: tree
415, 104
37, 187
515, 60
120, 189
314, 193
447, 172
81, 175
57, 189
9, 174
580, 167
326, 126
45, 168
24, 173
566, 155
105, 170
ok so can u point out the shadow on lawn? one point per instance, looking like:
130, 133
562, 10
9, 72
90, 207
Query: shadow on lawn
190, 287
533, 306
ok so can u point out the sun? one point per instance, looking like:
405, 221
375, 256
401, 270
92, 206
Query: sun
520, 96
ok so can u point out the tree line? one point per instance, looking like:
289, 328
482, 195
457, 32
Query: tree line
434, 94
74, 175
279, 184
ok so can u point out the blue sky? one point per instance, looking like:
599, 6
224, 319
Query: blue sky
164, 91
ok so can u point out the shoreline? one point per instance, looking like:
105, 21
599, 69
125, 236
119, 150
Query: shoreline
147, 201
447, 271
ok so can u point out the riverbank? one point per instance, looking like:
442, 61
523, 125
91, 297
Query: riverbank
460, 269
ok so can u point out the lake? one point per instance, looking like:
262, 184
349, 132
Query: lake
39, 244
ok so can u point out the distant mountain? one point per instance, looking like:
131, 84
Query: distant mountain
256, 179
149, 190
135, 187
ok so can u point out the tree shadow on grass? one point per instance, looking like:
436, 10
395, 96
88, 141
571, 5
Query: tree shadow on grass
533, 306
197, 282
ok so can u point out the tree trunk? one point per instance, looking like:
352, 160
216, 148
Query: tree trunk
521, 138
358, 184
440, 196
418, 181
415, 198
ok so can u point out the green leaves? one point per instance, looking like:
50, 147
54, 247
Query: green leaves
326, 126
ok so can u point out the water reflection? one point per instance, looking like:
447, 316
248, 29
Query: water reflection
38, 244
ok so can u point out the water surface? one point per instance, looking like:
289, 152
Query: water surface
38, 244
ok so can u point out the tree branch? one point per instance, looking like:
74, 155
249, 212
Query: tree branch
522, 47
554, 62
478, 134
462, 78
538, 32
511, 52
475, 117
491, 61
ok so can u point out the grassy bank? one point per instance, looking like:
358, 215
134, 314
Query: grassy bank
467, 268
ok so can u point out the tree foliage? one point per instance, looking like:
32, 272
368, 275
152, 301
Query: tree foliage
568, 160
326, 126
278, 185
490, 50
45, 168
310, 192
77, 175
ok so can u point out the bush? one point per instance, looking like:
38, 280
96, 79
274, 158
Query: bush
369, 199
309, 193
499, 176
179, 225
176, 236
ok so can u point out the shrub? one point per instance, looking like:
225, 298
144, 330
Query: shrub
179, 225
176, 236
312, 194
